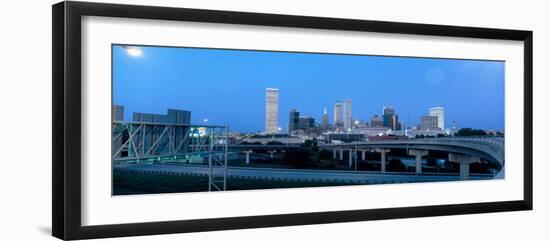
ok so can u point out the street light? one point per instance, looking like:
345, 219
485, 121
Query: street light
404, 125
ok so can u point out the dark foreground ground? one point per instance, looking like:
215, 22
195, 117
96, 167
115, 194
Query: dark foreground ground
127, 183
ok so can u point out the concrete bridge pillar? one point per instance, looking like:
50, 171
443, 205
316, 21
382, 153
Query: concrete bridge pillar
418, 154
363, 154
248, 156
334, 154
383, 152
464, 161
341, 154
350, 158
271, 153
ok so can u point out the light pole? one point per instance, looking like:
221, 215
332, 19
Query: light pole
404, 123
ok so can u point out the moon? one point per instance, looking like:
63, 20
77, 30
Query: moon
134, 51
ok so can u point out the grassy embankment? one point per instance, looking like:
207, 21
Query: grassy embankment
125, 183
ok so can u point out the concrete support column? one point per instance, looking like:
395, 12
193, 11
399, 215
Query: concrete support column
464, 170
341, 154
350, 158
334, 154
248, 156
464, 161
363, 154
383, 158
418, 155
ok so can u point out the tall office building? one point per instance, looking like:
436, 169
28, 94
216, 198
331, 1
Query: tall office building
390, 118
348, 122
271, 110
440, 113
324, 120
395, 124
306, 122
428, 123
388, 110
117, 113
376, 121
338, 114
179, 116
173, 116
293, 120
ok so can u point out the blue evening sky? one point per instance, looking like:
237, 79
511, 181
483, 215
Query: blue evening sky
228, 86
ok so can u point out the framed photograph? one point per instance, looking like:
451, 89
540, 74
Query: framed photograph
170, 120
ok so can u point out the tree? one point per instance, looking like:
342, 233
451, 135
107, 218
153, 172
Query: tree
274, 143
325, 155
310, 143
395, 165
470, 132
297, 158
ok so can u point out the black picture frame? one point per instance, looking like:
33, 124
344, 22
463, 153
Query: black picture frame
66, 128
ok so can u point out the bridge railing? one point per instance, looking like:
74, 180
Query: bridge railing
495, 144
492, 141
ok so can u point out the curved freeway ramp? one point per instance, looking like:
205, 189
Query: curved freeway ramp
488, 148
364, 177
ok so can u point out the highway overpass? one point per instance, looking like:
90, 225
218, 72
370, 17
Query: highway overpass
361, 177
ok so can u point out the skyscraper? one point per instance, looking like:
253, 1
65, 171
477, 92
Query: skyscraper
117, 113
376, 121
347, 115
388, 110
271, 110
293, 120
390, 118
324, 120
338, 113
173, 116
306, 122
440, 113
428, 123
179, 116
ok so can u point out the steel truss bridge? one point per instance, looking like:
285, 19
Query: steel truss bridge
144, 142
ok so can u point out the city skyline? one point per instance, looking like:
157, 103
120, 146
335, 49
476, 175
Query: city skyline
174, 77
